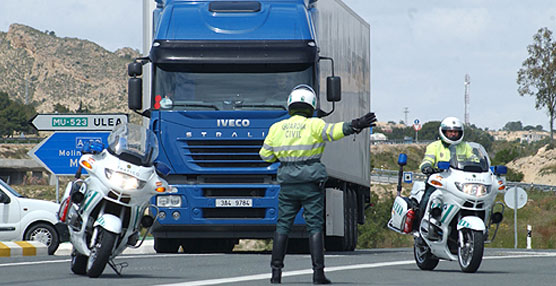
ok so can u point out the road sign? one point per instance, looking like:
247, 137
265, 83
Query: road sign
408, 177
510, 197
417, 127
77, 122
60, 152
416, 121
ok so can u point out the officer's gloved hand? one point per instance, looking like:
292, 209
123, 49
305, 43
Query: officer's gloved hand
428, 170
363, 122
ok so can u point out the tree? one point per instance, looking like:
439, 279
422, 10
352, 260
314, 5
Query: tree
14, 116
59, 108
513, 126
537, 76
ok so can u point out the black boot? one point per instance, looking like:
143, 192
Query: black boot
316, 246
279, 247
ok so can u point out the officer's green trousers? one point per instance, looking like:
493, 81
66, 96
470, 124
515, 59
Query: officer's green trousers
290, 200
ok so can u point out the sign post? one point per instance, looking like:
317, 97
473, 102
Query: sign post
417, 126
515, 198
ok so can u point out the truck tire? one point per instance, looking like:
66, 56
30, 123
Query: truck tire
298, 246
349, 240
166, 245
100, 252
45, 233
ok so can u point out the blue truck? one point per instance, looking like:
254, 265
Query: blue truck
215, 78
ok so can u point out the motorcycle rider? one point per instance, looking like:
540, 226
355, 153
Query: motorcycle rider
451, 136
298, 143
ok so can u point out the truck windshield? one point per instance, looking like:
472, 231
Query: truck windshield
227, 87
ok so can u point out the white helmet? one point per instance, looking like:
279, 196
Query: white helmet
301, 96
451, 123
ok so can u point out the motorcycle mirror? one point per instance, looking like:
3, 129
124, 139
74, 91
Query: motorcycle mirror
443, 165
402, 159
499, 170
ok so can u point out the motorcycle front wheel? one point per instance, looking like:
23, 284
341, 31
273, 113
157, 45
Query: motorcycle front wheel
470, 254
100, 252
423, 256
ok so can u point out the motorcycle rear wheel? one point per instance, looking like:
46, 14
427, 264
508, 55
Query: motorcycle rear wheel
470, 255
100, 253
423, 256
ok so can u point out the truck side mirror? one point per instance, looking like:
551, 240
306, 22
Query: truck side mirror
134, 69
134, 90
333, 89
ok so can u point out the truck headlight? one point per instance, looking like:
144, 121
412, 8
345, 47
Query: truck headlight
168, 201
477, 190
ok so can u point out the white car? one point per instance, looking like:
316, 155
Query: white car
28, 219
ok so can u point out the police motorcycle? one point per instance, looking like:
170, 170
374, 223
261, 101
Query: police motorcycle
105, 211
460, 212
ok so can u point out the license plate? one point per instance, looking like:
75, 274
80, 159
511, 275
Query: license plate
234, 203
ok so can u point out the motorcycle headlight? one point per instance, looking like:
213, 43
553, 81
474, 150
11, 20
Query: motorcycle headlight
478, 190
123, 181
168, 201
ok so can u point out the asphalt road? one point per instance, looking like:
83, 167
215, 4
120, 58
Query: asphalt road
361, 267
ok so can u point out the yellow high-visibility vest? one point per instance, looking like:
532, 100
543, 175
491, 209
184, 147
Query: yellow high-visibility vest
299, 139
438, 152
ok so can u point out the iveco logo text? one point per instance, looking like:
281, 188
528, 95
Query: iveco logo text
232, 122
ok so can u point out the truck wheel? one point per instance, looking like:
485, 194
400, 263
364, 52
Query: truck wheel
298, 246
44, 233
78, 263
100, 252
166, 245
349, 240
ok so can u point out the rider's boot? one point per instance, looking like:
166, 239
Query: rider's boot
316, 246
279, 247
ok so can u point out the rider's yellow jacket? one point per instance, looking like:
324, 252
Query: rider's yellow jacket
298, 143
437, 151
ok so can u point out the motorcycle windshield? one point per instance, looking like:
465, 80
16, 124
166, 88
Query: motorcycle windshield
133, 143
469, 157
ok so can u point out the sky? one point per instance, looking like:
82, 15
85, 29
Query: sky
421, 50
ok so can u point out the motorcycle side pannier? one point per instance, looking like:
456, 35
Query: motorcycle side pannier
400, 209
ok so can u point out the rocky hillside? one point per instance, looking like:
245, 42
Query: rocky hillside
539, 168
62, 70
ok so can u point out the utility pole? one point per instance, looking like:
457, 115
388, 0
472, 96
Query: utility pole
467, 83
406, 111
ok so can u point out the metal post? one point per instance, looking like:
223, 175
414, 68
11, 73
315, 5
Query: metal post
515, 217
57, 189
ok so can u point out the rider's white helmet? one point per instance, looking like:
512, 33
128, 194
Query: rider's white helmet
451, 123
302, 96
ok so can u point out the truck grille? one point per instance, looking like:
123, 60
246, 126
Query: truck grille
225, 153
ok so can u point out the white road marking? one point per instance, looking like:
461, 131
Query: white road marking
340, 268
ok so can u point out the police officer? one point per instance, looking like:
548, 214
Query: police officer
298, 143
450, 144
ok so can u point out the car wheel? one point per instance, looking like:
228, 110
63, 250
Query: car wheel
44, 233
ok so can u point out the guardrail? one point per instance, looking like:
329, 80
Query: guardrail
391, 177
21, 140
393, 142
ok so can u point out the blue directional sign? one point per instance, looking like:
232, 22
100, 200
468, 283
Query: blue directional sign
60, 152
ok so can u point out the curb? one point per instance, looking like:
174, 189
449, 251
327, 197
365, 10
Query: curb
22, 248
